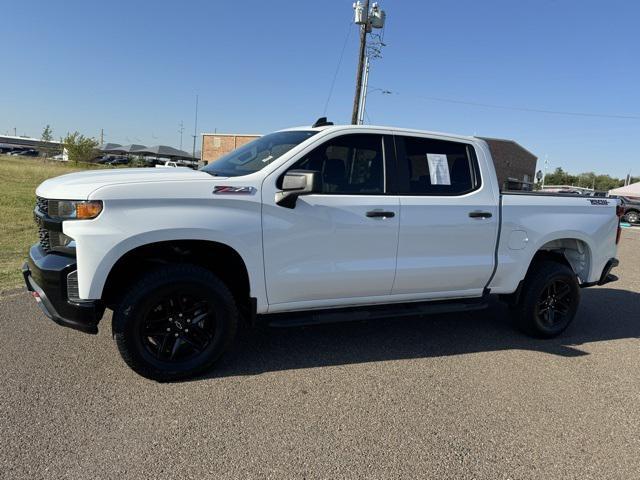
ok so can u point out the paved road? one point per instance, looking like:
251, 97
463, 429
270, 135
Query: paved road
455, 396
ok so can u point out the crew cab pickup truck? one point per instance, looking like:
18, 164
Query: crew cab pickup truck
312, 224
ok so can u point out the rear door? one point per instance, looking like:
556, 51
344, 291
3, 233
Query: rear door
448, 219
338, 246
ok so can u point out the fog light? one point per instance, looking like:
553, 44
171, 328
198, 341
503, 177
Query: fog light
61, 242
72, 287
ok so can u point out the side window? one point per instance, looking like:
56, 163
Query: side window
349, 164
438, 167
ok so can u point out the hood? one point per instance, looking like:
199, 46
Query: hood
79, 185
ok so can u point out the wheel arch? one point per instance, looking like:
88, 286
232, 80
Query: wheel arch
220, 258
572, 251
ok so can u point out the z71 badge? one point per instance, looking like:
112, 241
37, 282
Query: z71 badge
232, 190
598, 202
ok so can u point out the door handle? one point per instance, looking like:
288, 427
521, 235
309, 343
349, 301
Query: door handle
380, 214
479, 214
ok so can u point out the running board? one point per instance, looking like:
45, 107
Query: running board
371, 312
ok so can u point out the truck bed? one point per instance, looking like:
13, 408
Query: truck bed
529, 222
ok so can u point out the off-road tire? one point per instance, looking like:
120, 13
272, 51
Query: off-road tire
529, 313
130, 316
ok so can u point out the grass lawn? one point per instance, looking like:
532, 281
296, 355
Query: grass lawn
19, 177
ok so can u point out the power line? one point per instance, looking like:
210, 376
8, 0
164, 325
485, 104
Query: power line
522, 109
335, 75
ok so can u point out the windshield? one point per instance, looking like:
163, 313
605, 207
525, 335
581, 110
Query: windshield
256, 155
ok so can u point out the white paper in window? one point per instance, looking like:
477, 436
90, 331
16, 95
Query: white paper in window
438, 169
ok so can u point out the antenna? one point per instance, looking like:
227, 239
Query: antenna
321, 122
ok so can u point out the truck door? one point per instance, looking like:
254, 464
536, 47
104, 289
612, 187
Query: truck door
448, 219
338, 244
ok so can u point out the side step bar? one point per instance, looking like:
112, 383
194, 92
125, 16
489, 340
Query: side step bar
372, 312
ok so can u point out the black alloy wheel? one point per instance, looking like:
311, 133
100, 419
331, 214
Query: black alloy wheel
548, 300
554, 304
179, 327
175, 322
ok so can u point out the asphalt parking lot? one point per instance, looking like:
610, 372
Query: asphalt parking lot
453, 396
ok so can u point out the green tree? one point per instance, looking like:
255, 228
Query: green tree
599, 182
47, 136
80, 148
559, 177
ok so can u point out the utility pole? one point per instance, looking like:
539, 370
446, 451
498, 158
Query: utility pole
368, 19
363, 94
101, 136
180, 132
195, 130
362, 19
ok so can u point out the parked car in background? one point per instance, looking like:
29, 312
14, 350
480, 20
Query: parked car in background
108, 159
631, 208
7, 149
29, 152
118, 161
168, 163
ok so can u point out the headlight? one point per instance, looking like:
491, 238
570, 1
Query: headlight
75, 209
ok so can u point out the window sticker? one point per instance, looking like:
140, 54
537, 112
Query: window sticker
438, 169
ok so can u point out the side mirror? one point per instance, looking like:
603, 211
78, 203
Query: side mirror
296, 183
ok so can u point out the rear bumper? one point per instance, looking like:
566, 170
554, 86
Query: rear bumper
606, 276
45, 276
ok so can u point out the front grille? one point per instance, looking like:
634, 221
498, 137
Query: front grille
42, 204
43, 235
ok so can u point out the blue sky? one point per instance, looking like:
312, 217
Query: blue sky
134, 68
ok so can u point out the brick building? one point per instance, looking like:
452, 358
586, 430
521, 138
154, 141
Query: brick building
514, 164
215, 145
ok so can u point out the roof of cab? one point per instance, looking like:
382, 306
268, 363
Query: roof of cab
380, 127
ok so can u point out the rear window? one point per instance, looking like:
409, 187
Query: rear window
437, 167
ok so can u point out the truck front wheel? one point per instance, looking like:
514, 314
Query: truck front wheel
175, 322
548, 301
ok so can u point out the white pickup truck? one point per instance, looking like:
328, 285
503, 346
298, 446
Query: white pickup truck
314, 224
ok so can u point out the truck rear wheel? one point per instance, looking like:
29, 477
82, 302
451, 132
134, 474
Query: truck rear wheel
175, 322
549, 300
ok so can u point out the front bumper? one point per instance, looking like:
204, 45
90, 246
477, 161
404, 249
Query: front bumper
45, 275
